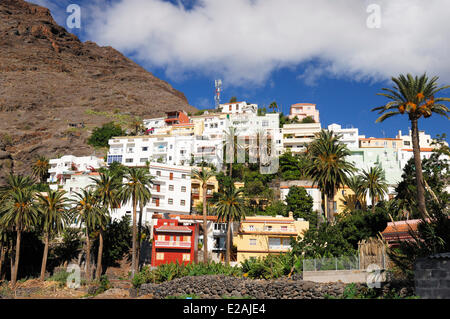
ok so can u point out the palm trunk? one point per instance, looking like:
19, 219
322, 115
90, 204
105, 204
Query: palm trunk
205, 227
88, 256
44, 257
16, 259
139, 237
2, 259
133, 247
418, 165
330, 208
227, 256
99, 256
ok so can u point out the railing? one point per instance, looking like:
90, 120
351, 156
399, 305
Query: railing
176, 244
279, 247
273, 229
334, 263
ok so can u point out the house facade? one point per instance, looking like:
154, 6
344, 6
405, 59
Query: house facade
174, 241
259, 236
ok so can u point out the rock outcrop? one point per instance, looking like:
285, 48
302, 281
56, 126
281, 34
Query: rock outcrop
50, 81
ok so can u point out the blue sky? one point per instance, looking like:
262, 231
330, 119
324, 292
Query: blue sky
289, 51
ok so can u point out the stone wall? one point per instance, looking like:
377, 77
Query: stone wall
432, 277
218, 286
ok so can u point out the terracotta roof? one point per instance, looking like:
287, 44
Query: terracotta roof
398, 231
178, 229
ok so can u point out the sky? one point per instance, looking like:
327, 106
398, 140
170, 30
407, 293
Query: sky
337, 54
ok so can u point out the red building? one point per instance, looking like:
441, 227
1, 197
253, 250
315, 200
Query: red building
173, 241
176, 117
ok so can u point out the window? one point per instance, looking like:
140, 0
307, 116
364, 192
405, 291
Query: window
251, 228
283, 228
187, 238
183, 189
145, 149
158, 173
159, 256
114, 158
128, 212
143, 160
252, 242
183, 202
171, 187
129, 160
161, 237
186, 257
183, 176
153, 201
170, 201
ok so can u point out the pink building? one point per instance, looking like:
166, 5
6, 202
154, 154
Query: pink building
302, 110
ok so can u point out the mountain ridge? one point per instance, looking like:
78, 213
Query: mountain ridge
50, 81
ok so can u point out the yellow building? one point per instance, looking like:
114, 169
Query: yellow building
259, 236
340, 199
372, 142
197, 190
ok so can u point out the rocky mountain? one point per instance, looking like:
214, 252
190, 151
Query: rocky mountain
50, 82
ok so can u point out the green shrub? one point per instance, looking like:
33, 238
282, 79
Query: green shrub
60, 277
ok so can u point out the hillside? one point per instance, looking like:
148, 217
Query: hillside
51, 81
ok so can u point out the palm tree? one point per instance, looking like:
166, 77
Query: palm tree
14, 183
107, 188
99, 220
355, 184
52, 207
204, 176
136, 187
40, 168
85, 205
19, 211
273, 106
373, 182
327, 166
414, 96
230, 207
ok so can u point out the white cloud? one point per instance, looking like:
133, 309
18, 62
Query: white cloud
245, 40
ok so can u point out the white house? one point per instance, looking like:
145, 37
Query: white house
62, 168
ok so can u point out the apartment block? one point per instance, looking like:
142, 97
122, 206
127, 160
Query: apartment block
64, 167
259, 236
297, 136
302, 110
349, 136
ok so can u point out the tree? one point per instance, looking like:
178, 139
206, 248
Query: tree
436, 173
136, 188
107, 188
273, 106
40, 168
229, 208
414, 96
85, 205
308, 119
101, 135
136, 125
233, 99
52, 207
292, 167
99, 221
327, 166
373, 182
19, 211
204, 176
300, 204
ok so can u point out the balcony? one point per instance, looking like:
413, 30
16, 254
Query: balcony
172, 244
278, 230
280, 247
